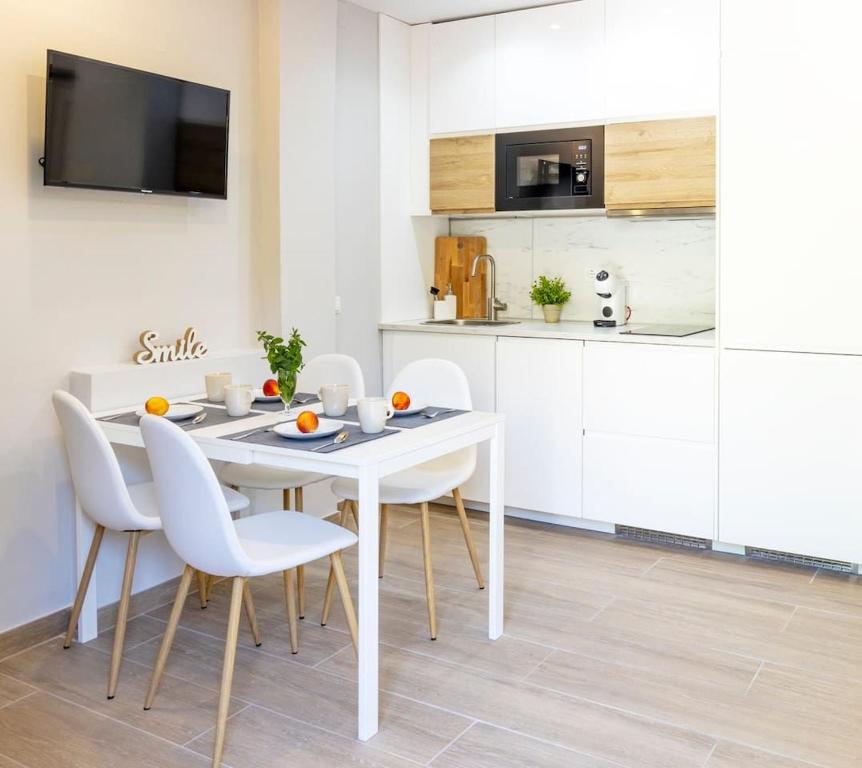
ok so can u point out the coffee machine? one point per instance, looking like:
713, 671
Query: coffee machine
612, 300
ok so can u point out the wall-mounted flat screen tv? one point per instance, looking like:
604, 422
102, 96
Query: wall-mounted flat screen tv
111, 127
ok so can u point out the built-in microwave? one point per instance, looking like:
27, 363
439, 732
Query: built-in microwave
554, 169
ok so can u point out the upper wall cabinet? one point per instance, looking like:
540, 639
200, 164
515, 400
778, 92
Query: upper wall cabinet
662, 57
660, 164
551, 64
461, 88
462, 174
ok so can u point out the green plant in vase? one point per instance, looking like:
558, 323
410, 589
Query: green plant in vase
550, 293
285, 361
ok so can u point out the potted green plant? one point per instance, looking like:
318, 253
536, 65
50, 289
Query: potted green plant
550, 293
285, 361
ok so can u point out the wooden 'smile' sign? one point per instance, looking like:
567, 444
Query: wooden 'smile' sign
185, 348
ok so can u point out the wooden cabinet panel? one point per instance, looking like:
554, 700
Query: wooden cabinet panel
660, 164
539, 390
462, 174
790, 453
461, 82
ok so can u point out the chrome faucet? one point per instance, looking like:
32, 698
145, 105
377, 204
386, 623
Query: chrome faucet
494, 304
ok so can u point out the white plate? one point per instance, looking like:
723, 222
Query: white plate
177, 412
259, 397
325, 428
411, 410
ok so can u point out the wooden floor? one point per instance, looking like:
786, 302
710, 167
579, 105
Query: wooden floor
615, 654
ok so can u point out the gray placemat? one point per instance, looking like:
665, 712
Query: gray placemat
214, 417
272, 407
271, 438
404, 422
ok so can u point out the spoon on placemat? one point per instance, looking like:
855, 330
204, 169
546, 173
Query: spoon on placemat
433, 414
337, 440
196, 420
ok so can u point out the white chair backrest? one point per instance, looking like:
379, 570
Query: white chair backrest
332, 369
435, 382
96, 475
194, 512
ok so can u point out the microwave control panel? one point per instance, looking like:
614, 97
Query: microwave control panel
581, 161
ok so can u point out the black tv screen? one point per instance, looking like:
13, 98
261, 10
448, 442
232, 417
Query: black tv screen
111, 127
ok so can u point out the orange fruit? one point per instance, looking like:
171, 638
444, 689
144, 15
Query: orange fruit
307, 422
400, 401
270, 388
157, 406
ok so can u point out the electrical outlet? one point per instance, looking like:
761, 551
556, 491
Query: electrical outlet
590, 273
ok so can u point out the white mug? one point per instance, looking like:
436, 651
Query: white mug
334, 398
216, 382
238, 399
373, 413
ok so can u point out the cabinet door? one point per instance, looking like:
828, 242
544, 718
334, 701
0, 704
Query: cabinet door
539, 390
461, 90
475, 356
650, 390
791, 453
662, 57
551, 65
663, 485
462, 174
789, 196
660, 164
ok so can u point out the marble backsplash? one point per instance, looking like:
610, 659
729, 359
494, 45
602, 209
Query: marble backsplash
669, 265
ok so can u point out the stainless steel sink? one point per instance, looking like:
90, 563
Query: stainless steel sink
470, 321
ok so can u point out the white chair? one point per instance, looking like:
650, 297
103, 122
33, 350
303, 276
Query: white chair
111, 504
320, 370
199, 527
437, 383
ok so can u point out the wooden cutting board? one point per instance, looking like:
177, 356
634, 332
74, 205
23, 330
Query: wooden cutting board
453, 257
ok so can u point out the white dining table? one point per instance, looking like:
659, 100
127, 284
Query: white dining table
368, 463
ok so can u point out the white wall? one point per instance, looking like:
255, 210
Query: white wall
85, 271
669, 264
357, 190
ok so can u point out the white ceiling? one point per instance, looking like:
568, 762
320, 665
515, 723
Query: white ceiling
420, 11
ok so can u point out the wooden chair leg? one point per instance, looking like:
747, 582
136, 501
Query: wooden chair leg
251, 614
170, 631
330, 582
203, 582
290, 601
343, 587
429, 573
354, 510
236, 594
384, 537
285, 498
95, 544
468, 537
123, 613
300, 571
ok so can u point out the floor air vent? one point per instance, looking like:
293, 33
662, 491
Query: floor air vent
808, 562
660, 537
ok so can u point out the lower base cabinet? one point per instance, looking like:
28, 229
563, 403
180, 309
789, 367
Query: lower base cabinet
791, 452
539, 388
663, 485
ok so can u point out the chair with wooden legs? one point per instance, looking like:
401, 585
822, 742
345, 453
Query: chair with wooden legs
199, 527
320, 370
112, 505
435, 383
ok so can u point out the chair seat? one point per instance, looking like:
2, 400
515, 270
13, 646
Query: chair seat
280, 540
424, 482
264, 478
144, 498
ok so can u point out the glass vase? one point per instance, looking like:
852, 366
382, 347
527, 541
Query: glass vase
287, 389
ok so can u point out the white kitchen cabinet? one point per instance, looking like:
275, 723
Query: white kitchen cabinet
550, 65
475, 356
791, 453
650, 390
663, 485
662, 58
461, 87
539, 390
789, 175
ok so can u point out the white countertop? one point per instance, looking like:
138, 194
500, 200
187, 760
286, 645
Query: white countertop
565, 330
